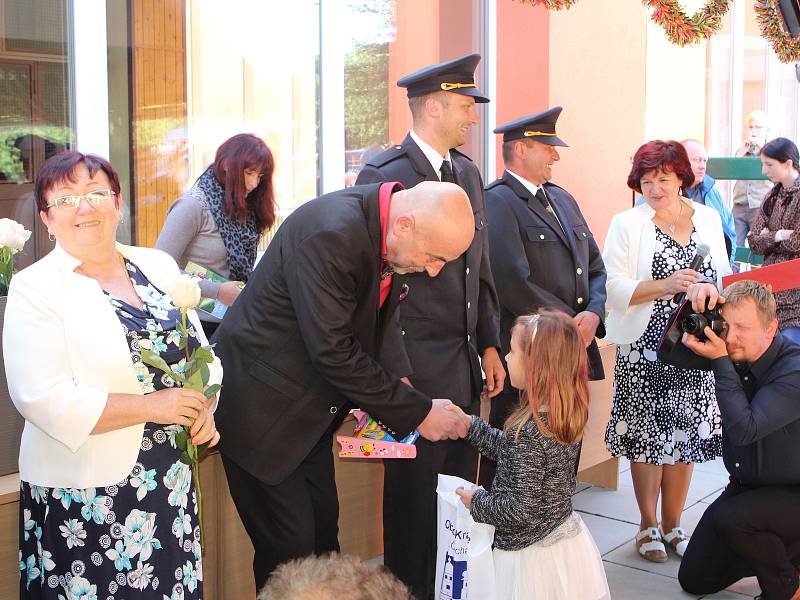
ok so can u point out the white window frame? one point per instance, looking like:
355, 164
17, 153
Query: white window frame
88, 32
331, 89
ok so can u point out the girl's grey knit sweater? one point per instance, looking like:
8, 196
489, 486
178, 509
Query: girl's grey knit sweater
532, 490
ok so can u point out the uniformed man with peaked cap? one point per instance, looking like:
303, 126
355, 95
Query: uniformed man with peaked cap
449, 322
543, 253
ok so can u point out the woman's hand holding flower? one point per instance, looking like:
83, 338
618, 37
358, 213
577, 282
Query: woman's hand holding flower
176, 406
204, 428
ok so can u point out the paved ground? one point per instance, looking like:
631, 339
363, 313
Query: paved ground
613, 518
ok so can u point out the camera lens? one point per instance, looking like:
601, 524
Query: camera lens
694, 324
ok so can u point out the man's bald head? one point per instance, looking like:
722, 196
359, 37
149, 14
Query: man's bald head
698, 158
429, 225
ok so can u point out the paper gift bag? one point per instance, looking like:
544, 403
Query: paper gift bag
464, 565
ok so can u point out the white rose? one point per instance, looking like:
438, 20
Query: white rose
185, 292
13, 235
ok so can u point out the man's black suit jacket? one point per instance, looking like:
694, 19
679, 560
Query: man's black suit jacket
537, 264
449, 320
300, 345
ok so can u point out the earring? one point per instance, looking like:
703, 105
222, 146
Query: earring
51, 237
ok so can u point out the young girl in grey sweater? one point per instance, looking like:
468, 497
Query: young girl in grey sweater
542, 549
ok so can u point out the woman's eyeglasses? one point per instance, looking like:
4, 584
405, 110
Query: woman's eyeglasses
94, 198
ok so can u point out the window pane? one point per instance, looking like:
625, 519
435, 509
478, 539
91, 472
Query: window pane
718, 91
35, 108
386, 40
15, 94
755, 66
36, 26
261, 79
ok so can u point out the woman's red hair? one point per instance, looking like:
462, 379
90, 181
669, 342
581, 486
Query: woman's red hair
246, 151
669, 156
556, 376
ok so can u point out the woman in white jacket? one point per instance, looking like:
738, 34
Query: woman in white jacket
663, 418
105, 500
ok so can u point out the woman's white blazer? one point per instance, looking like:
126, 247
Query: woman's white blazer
628, 256
64, 352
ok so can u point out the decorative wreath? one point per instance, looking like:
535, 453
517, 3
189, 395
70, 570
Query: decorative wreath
683, 30
772, 28
551, 4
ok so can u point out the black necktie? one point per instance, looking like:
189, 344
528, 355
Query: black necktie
541, 197
447, 172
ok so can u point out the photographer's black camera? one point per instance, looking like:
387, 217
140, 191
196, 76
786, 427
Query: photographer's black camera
695, 323
683, 319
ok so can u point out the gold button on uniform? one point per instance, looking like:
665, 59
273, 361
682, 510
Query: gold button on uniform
541, 236
580, 300
402, 332
469, 304
467, 270
579, 271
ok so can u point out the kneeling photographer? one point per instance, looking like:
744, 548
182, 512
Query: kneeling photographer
753, 528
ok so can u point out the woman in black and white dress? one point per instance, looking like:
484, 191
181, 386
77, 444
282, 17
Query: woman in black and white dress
664, 419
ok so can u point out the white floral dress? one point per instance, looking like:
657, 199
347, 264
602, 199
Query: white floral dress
139, 538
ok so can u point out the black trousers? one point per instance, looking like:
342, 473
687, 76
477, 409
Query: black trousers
296, 518
409, 507
746, 531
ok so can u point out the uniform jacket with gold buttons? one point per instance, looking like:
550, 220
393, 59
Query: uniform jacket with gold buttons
537, 264
448, 320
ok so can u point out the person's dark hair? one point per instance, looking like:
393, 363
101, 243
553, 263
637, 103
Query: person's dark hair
61, 167
331, 577
246, 151
782, 149
667, 156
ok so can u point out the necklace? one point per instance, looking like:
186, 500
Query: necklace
671, 228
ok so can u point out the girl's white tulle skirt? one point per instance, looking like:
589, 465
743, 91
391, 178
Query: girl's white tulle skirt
566, 565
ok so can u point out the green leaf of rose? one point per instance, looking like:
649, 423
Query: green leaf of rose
195, 381
154, 360
211, 390
201, 449
204, 372
181, 439
203, 355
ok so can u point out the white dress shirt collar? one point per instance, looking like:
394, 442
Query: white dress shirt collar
432, 155
531, 187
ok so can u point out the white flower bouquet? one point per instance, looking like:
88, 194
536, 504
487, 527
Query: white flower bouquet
12, 238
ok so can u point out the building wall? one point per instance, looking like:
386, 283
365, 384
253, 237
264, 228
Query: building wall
675, 88
523, 69
597, 73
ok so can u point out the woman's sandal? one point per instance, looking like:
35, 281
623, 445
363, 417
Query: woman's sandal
677, 540
652, 550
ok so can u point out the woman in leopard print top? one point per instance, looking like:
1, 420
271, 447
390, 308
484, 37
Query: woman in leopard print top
776, 229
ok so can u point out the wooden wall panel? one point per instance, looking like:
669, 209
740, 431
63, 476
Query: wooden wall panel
9, 550
158, 62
